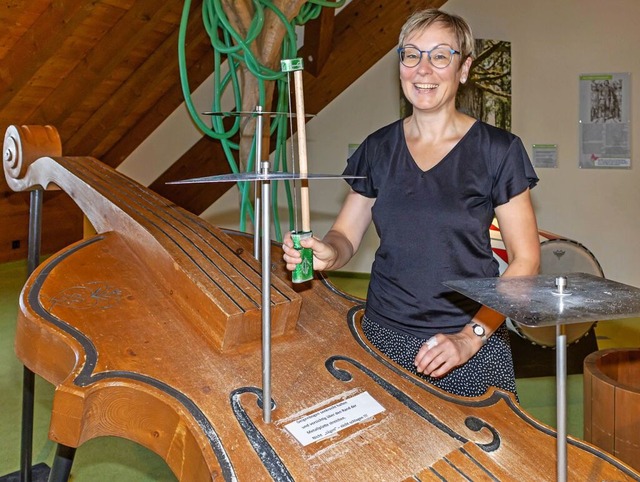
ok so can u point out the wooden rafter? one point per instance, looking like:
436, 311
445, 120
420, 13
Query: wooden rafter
318, 39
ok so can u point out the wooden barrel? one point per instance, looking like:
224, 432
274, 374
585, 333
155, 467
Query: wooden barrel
612, 402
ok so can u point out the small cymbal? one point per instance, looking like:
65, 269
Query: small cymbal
255, 176
253, 113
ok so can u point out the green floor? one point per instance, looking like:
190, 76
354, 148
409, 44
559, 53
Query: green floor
113, 459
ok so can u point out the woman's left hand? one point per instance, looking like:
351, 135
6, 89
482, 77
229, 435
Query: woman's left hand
442, 353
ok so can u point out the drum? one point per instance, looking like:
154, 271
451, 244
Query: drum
557, 256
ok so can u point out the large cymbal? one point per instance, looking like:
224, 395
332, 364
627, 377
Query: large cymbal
535, 301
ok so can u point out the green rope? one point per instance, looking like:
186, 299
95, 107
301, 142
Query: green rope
232, 52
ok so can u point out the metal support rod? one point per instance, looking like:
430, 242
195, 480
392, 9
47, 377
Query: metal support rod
62, 462
266, 299
28, 402
256, 206
28, 377
35, 229
561, 402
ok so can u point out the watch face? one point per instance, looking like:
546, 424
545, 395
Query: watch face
478, 330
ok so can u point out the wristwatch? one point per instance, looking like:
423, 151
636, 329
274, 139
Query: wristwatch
479, 331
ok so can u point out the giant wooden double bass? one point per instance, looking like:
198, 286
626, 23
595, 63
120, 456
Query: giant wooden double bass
150, 330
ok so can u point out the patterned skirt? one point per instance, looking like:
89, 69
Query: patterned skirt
492, 366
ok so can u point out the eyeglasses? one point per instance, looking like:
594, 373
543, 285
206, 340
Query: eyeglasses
439, 56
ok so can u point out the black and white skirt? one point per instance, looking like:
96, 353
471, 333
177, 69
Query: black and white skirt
492, 366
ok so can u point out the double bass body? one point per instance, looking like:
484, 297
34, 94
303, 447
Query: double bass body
150, 331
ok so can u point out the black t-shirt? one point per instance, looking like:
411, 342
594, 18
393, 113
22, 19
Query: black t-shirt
434, 225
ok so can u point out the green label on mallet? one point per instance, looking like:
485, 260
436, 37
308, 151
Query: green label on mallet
289, 65
304, 271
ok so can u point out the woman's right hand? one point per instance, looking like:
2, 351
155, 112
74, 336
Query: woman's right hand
324, 256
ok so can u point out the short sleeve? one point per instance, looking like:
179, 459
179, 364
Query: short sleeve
358, 165
514, 173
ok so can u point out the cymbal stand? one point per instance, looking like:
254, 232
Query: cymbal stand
266, 296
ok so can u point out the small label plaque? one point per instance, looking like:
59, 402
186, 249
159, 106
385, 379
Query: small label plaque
333, 419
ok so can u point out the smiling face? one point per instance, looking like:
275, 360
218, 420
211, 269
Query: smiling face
426, 87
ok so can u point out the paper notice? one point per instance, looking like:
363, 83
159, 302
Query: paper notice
334, 418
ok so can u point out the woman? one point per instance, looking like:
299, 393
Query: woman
434, 182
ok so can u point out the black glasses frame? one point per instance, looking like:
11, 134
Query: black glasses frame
401, 51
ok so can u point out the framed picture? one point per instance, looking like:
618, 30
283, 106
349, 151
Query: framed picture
605, 122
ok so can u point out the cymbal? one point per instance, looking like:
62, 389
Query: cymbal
253, 113
534, 301
257, 176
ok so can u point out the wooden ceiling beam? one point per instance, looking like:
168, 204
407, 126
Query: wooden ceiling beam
199, 71
16, 18
318, 39
137, 94
91, 80
38, 45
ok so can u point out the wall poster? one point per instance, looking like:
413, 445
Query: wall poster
605, 122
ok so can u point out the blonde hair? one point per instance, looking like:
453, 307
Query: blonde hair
425, 18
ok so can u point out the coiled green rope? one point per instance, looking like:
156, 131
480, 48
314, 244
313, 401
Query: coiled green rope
234, 49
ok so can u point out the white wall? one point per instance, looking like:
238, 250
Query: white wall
553, 42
